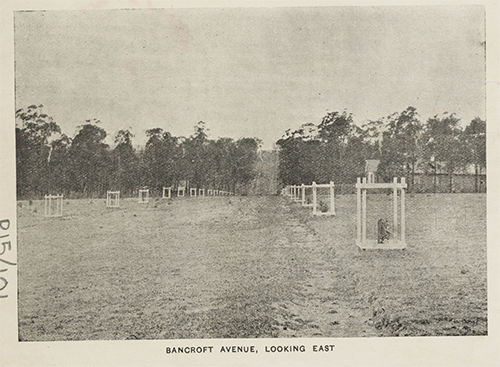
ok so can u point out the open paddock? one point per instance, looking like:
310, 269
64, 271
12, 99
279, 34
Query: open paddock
248, 267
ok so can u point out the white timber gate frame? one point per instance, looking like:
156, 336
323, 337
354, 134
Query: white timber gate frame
143, 196
296, 193
398, 240
315, 187
304, 187
112, 199
49, 199
169, 191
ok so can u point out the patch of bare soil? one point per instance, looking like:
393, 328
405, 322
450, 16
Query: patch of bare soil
240, 267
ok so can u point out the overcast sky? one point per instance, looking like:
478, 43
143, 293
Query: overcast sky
252, 72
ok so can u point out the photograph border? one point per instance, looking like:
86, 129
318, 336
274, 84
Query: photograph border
402, 351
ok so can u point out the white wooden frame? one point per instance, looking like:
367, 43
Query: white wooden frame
315, 187
370, 177
295, 193
303, 198
112, 199
143, 199
192, 191
49, 199
169, 191
201, 192
181, 190
398, 241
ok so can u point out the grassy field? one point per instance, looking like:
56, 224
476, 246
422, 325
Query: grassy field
248, 267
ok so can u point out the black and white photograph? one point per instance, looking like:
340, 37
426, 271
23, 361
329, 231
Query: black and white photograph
225, 183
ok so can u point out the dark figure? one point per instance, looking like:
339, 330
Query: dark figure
383, 231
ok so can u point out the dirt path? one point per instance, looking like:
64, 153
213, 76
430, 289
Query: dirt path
259, 271
324, 302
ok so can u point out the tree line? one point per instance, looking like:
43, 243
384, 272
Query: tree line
48, 161
336, 149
